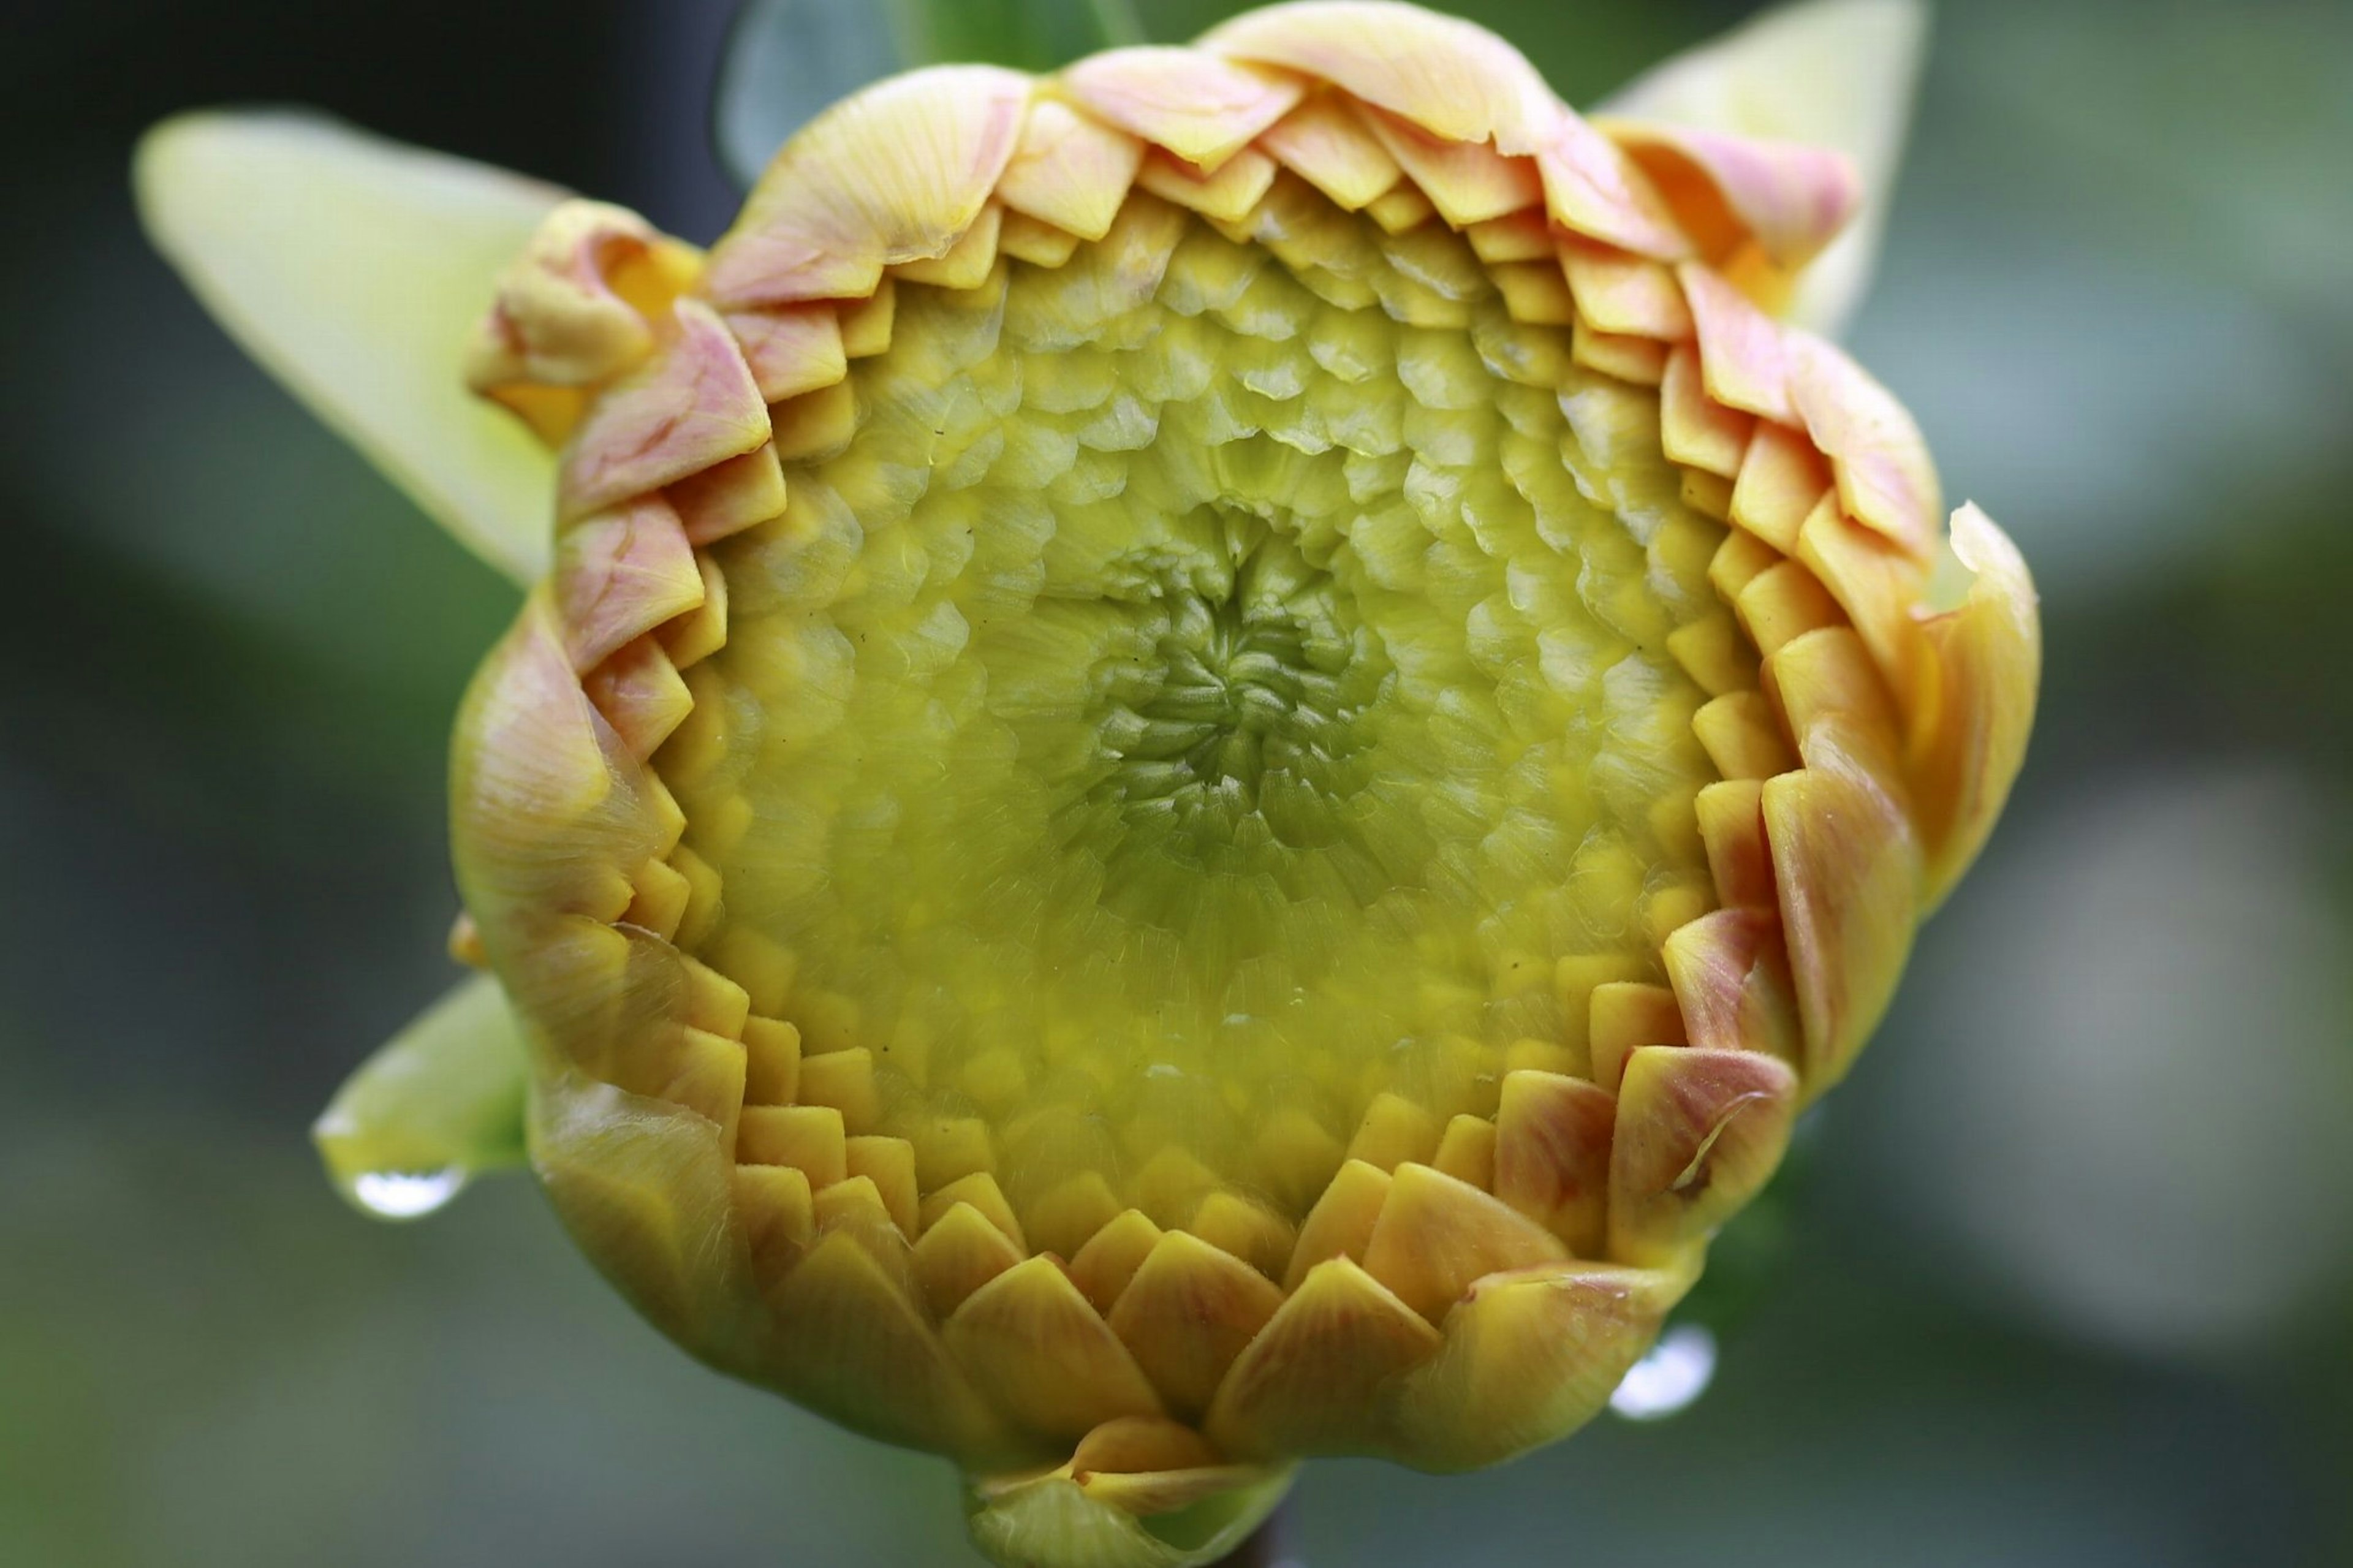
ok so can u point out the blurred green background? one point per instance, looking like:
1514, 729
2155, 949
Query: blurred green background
2076, 1273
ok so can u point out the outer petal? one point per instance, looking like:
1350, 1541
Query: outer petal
895, 173
1831, 73
1202, 109
1452, 77
1988, 667
355, 270
442, 1101
1789, 198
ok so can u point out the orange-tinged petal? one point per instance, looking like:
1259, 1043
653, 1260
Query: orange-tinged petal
1730, 972
1187, 1313
1436, 1235
1313, 1380
1885, 476
851, 1345
1699, 1132
1744, 353
1592, 186
1987, 660
1552, 1154
1789, 198
1847, 867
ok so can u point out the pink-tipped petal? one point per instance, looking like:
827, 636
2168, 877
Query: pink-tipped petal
1782, 479
1730, 970
1201, 108
1694, 429
619, 574
692, 404
1885, 476
1453, 79
1835, 74
1847, 867
1743, 354
791, 349
1593, 187
1315, 1379
1878, 585
894, 174
1791, 199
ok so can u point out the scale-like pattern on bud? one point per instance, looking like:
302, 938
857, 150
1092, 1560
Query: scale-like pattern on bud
1216, 745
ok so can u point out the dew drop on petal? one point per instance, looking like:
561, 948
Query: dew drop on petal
1668, 1380
407, 1194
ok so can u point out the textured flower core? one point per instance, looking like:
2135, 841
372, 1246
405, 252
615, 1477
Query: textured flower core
1215, 748
1192, 702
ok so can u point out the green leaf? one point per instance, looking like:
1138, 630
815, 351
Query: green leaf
787, 59
355, 270
439, 1104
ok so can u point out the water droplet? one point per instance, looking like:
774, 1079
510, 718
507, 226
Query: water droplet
407, 1194
1676, 1372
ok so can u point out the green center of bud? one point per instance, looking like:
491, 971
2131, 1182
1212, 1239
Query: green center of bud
1206, 694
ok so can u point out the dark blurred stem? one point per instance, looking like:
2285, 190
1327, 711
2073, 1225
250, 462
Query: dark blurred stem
1264, 1548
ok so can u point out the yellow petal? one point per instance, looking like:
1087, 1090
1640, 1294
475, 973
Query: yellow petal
1453, 79
355, 270
1886, 475
1833, 73
894, 174
1043, 1353
1529, 1356
1699, 1132
1202, 109
647, 1194
1988, 666
1848, 870
1313, 1380
1187, 1313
